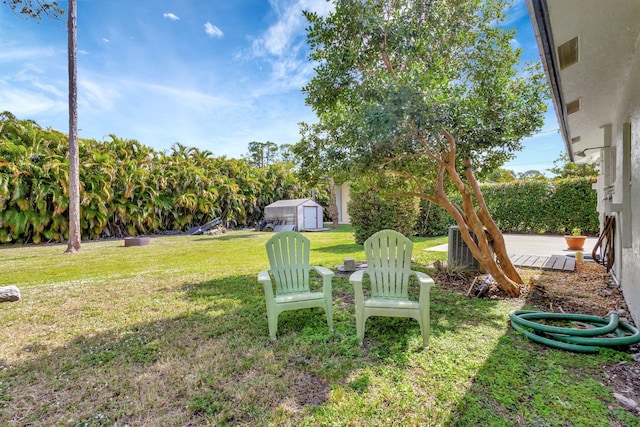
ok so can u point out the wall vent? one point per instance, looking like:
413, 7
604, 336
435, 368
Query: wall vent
568, 53
573, 106
459, 254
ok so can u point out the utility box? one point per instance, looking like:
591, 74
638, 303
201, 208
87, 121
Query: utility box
459, 254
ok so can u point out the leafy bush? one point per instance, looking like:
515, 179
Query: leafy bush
519, 206
535, 206
370, 212
573, 205
524, 206
433, 220
127, 188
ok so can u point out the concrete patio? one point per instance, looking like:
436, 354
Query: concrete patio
540, 251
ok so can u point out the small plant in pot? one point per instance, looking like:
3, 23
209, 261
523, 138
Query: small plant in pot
576, 240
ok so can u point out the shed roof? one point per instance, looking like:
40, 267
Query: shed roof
289, 203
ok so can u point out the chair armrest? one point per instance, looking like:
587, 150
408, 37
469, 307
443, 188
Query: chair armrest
356, 276
323, 271
327, 275
423, 278
356, 280
265, 279
426, 282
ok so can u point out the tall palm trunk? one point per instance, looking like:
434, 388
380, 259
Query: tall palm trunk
74, 161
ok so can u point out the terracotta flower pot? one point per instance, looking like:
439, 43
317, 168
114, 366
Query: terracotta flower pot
575, 243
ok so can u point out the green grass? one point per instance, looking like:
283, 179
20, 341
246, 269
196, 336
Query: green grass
175, 333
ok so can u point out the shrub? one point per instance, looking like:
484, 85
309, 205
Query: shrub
536, 206
433, 220
573, 205
370, 212
519, 206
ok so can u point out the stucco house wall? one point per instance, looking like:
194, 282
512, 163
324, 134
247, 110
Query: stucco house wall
618, 185
627, 190
603, 80
343, 197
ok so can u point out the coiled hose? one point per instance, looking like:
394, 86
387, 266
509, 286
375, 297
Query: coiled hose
573, 339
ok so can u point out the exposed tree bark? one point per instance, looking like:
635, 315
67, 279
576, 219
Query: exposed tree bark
491, 229
473, 218
488, 246
74, 161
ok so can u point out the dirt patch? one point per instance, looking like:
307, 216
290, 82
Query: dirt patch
588, 290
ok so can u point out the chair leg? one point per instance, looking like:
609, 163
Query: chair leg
360, 322
328, 307
273, 325
425, 327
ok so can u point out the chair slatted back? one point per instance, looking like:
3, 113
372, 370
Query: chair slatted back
288, 253
389, 264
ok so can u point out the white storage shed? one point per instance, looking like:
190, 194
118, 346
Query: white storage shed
296, 214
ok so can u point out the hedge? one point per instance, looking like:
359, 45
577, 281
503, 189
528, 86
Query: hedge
528, 206
370, 212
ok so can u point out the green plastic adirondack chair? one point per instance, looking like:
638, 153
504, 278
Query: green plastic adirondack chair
389, 270
290, 271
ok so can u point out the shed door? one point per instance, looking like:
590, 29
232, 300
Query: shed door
310, 217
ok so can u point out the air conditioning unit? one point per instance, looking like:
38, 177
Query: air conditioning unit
459, 254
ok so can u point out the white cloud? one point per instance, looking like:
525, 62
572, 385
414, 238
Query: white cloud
50, 88
283, 44
27, 103
280, 35
98, 94
189, 98
515, 12
106, 40
212, 30
28, 71
14, 54
171, 16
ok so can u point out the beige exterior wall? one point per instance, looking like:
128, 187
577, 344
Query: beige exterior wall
343, 196
620, 172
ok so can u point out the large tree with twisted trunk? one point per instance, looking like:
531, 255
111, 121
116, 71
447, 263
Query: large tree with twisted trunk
424, 97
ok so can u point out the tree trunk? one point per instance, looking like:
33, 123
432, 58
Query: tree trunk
74, 161
490, 249
489, 252
496, 239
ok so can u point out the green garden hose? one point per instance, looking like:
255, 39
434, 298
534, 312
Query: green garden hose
573, 339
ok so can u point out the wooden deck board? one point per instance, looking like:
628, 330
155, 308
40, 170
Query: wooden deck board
539, 262
554, 262
517, 259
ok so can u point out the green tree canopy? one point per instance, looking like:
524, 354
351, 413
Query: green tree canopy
532, 174
262, 154
428, 90
501, 175
563, 168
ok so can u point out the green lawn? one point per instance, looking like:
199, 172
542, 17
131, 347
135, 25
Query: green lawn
175, 333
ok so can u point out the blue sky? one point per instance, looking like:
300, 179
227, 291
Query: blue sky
210, 74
